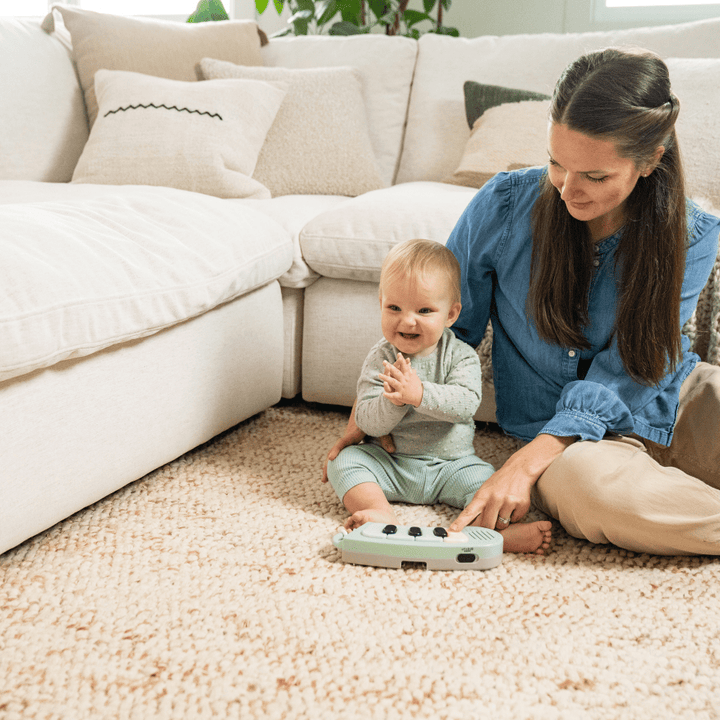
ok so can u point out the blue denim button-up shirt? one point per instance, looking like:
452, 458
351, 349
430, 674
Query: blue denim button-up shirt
536, 383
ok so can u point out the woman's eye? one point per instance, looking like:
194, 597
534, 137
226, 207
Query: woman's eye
595, 179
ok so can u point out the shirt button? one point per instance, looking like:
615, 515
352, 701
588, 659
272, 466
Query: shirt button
596, 263
571, 353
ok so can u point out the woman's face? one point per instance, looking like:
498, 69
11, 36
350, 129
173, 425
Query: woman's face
592, 179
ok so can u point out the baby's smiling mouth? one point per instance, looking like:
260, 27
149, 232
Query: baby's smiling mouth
409, 336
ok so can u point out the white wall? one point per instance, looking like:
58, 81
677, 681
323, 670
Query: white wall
506, 17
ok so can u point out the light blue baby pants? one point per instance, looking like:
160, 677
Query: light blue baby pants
410, 479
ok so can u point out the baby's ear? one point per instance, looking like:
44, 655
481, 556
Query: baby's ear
454, 313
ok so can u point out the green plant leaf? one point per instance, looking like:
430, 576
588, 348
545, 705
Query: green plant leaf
429, 5
350, 11
326, 11
444, 30
305, 15
279, 5
306, 5
346, 28
412, 17
208, 10
261, 5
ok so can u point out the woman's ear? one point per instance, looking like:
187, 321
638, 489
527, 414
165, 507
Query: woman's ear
655, 161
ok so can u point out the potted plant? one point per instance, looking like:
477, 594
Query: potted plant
351, 17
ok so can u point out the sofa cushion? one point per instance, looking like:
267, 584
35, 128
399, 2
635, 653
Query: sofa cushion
319, 143
122, 263
154, 47
350, 241
42, 115
696, 82
204, 137
293, 212
437, 131
385, 93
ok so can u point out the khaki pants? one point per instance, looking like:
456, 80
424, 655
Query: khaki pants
639, 495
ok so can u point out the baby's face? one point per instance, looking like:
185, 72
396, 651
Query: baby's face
416, 312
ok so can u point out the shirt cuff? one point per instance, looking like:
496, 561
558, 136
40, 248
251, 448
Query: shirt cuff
588, 410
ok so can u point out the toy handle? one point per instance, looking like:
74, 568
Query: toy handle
337, 538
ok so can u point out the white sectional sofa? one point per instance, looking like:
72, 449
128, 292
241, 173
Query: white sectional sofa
149, 302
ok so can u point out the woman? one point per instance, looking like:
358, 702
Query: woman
588, 270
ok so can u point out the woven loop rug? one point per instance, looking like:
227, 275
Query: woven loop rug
211, 589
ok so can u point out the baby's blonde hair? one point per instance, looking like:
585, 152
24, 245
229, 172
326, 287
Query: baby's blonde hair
414, 258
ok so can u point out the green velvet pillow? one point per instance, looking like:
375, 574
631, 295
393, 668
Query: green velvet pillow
479, 98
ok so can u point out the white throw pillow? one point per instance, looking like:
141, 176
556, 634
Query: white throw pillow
319, 143
204, 137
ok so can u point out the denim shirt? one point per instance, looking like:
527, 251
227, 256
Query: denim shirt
537, 386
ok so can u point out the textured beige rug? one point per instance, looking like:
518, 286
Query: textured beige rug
211, 589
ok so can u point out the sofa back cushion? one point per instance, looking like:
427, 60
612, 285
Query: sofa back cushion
42, 115
385, 66
437, 129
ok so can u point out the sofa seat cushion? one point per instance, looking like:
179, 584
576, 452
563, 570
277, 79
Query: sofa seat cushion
84, 272
350, 241
293, 212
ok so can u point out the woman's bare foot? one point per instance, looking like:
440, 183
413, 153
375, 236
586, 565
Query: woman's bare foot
531, 537
365, 516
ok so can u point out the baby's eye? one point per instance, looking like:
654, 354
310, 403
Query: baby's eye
394, 308
425, 311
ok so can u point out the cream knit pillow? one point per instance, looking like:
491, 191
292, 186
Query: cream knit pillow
319, 143
203, 137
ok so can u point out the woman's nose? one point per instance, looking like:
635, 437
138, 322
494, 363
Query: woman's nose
569, 187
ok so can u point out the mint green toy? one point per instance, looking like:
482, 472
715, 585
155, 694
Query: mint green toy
393, 546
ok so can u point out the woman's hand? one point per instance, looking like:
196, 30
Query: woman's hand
353, 436
505, 496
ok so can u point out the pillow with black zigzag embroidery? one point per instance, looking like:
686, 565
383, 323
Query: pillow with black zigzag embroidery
205, 137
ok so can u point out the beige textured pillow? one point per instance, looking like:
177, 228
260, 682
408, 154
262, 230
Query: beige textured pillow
203, 137
154, 47
319, 143
506, 137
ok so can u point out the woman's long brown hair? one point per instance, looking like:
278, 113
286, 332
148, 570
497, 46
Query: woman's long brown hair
623, 96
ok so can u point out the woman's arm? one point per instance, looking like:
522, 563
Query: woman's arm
506, 493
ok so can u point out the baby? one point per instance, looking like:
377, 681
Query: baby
423, 385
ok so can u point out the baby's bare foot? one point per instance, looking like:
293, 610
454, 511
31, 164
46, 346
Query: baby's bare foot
361, 517
531, 537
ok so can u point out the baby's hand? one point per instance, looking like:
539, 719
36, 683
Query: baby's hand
401, 384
